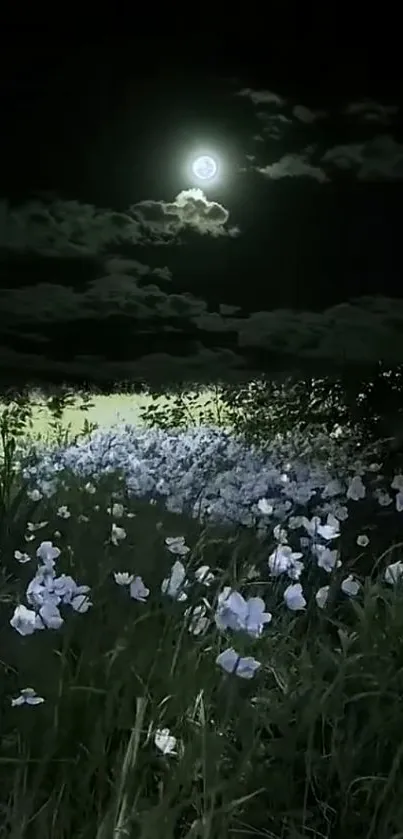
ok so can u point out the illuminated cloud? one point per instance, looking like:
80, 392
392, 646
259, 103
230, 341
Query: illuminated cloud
262, 97
190, 209
293, 166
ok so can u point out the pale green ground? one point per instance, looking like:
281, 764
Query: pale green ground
107, 411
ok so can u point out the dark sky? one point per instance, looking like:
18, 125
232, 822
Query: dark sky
97, 133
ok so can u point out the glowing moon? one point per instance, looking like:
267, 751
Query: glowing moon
204, 167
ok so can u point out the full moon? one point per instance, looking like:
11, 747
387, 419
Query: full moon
204, 167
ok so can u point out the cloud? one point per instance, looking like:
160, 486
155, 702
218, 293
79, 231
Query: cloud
190, 209
339, 333
71, 229
306, 115
370, 111
120, 265
293, 166
378, 159
65, 228
262, 97
158, 369
367, 158
114, 293
274, 125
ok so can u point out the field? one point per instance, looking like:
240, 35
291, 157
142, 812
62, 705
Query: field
198, 640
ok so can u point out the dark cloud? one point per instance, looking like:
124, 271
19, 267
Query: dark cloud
64, 228
307, 115
306, 148
156, 368
339, 333
378, 159
115, 292
69, 228
370, 111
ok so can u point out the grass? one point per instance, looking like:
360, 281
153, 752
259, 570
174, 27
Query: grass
310, 747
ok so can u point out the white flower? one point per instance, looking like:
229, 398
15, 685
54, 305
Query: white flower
280, 534
33, 526
356, 489
176, 545
68, 589
138, 590
47, 553
332, 488
294, 522
394, 572
330, 530
82, 518
327, 559
164, 741
321, 596
64, 512
34, 494
80, 603
294, 597
399, 502
295, 570
384, 499
41, 590
27, 697
22, 557
117, 510
253, 573
118, 534
51, 616
123, 578
197, 619
231, 662
173, 585
90, 488
283, 559
234, 612
350, 586
265, 507
362, 540
311, 526
397, 483
23, 620
341, 512
204, 575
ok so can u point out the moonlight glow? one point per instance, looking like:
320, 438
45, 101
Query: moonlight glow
204, 168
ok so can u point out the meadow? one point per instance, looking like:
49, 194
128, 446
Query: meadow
201, 638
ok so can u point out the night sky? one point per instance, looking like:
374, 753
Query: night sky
108, 248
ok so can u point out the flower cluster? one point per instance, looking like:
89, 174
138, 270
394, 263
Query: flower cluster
208, 474
46, 593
